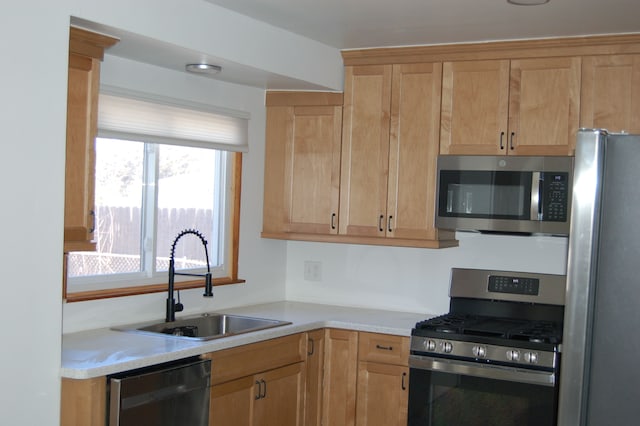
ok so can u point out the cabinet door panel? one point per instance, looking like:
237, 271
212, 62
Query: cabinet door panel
610, 96
82, 105
544, 104
475, 101
313, 386
365, 150
382, 394
340, 377
232, 403
282, 396
415, 126
313, 170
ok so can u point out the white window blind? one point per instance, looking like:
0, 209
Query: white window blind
166, 122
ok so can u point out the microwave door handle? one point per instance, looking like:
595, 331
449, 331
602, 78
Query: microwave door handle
536, 196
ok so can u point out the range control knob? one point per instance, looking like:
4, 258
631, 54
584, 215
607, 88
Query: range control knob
479, 351
447, 347
513, 355
531, 357
430, 345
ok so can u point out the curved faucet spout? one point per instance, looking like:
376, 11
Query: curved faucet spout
172, 306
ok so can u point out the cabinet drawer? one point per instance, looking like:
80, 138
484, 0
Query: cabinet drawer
229, 364
384, 348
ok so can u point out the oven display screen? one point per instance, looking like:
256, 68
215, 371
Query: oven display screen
514, 285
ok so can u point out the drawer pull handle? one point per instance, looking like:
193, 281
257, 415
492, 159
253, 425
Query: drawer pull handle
333, 221
501, 136
384, 348
404, 385
511, 140
380, 220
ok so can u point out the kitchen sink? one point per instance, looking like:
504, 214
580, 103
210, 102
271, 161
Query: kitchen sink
205, 326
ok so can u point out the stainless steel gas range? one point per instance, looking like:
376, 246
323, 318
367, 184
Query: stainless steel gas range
494, 359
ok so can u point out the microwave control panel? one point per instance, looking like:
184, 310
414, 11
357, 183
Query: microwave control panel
555, 191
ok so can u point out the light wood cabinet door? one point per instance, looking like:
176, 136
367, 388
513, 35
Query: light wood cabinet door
272, 398
280, 397
475, 105
610, 97
383, 394
340, 377
544, 106
517, 107
313, 386
86, 50
413, 151
365, 150
302, 163
232, 403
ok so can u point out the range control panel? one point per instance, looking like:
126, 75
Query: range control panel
514, 285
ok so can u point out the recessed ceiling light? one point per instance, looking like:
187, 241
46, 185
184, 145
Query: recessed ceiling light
207, 69
527, 2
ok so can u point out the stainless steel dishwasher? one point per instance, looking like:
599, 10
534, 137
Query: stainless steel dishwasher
171, 394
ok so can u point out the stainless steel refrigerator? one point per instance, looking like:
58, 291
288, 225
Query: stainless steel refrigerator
600, 368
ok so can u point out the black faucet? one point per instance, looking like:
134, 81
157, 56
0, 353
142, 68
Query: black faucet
172, 306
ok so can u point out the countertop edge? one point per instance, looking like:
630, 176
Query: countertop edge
178, 348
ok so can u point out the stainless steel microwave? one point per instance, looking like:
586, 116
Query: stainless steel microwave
529, 195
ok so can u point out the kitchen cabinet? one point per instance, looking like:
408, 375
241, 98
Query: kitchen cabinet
389, 149
340, 377
383, 380
259, 384
86, 51
315, 369
510, 107
302, 162
610, 95
83, 402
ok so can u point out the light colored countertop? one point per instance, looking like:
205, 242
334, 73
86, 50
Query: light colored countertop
104, 351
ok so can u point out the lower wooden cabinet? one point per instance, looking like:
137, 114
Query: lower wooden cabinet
383, 394
260, 384
340, 377
270, 398
383, 380
313, 386
83, 402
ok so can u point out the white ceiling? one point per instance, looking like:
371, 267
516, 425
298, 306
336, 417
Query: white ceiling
354, 24
357, 24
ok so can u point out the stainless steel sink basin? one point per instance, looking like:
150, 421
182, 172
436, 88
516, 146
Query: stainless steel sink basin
205, 326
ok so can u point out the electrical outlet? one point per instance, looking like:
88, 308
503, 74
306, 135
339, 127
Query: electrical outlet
312, 270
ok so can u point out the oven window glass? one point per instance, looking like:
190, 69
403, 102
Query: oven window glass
446, 399
485, 194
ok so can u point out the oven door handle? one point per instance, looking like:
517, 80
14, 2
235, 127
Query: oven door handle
487, 371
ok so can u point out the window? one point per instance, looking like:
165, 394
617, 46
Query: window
156, 176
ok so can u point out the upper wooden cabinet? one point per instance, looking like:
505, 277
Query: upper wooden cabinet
86, 50
363, 175
517, 107
302, 162
389, 151
610, 97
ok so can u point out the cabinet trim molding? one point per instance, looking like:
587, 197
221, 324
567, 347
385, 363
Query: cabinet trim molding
535, 48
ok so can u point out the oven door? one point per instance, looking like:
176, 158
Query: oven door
445, 392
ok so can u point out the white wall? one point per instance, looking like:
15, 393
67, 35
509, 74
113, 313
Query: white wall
412, 279
262, 262
34, 46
